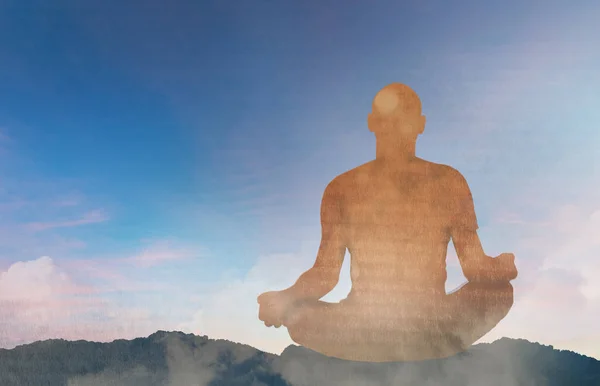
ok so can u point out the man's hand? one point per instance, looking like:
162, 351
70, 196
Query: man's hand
504, 268
273, 307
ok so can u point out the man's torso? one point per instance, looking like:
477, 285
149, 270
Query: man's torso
396, 227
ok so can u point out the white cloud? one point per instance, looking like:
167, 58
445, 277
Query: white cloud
160, 252
580, 250
40, 300
36, 280
35, 295
559, 299
230, 311
92, 217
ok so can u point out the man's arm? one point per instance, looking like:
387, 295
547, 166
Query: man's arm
319, 280
475, 264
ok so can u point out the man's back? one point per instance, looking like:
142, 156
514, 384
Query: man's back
396, 225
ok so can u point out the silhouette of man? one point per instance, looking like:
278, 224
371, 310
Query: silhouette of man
396, 216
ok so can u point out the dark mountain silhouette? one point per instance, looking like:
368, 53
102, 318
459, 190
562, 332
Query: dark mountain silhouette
175, 358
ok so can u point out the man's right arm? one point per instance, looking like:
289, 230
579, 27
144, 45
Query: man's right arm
323, 276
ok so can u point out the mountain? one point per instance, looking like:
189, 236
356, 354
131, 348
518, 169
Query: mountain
178, 359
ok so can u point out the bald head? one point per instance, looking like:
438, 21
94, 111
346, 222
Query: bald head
396, 99
397, 112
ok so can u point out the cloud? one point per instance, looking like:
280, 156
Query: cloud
559, 296
161, 252
154, 253
73, 199
41, 300
32, 223
578, 248
554, 310
230, 311
36, 297
92, 217
566, 240
138, 375
128, 272
36, 280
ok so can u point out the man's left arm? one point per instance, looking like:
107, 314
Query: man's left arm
476, 265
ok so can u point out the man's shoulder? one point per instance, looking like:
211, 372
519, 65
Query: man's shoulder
355, 175
447, 172
349, 179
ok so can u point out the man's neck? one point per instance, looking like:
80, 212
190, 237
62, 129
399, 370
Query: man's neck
396, 157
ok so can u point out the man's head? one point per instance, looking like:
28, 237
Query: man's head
396, 113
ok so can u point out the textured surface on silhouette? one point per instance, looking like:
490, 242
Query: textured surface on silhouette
396, 215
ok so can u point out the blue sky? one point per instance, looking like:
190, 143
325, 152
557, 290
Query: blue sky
157, 152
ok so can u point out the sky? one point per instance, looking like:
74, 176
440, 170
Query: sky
163, 164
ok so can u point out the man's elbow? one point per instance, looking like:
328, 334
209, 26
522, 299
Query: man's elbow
327, 279
328, 282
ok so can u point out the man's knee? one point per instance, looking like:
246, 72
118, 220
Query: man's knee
310, 322
297, 334
299, 327
498, 303
503, 293
485, 300
295, 321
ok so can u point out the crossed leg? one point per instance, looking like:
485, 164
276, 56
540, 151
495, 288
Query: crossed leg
414, 329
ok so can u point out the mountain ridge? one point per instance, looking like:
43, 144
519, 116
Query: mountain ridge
176, 358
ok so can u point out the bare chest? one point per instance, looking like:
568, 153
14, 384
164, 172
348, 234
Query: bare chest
410, 205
